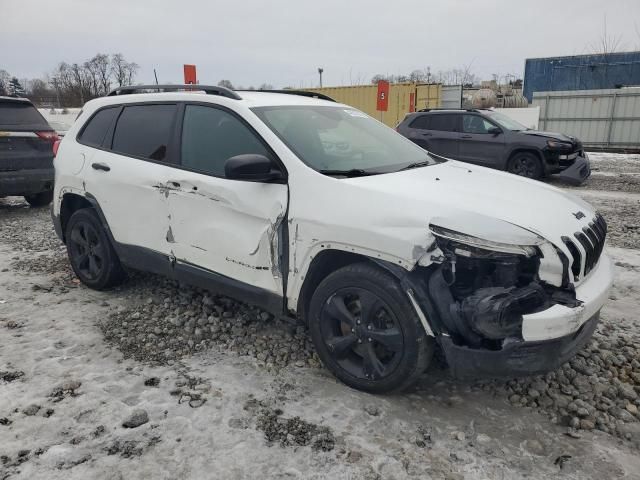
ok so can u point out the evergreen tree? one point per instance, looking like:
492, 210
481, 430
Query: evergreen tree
15, 89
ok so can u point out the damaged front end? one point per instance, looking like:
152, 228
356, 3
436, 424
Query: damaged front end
479, 291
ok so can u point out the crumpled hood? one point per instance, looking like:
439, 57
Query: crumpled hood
552, 135
453, 189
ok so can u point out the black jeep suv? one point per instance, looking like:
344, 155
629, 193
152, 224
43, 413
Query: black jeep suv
26, 152
491, 139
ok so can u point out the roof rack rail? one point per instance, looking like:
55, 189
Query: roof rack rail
302, 93
443, 108
209, 89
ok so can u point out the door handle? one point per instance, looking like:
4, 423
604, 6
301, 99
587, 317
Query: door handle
426, 134
466, 136
174, 184
100, 166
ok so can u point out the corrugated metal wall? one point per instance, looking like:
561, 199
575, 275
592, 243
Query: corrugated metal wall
581, 72
363, 97
451, 96
600, 118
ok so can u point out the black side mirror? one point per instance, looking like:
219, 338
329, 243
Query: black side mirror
495, 130
252, 167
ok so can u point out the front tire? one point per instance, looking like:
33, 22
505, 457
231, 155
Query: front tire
526, 164
91, 254
366, 331
39, 199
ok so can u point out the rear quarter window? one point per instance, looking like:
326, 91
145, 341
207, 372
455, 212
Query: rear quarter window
16, 113
95, 130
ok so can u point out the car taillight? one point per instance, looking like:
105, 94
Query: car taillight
50, 136
56, 144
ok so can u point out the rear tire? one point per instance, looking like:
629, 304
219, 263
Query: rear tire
39, 199
526, 164
91, 254
366, 331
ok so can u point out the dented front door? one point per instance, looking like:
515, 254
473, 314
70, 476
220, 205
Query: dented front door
228, 227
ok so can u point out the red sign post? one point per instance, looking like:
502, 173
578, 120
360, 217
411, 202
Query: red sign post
190, 75
383, 96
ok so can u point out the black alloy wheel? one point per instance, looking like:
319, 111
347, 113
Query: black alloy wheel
87, 252
366, 330
526, 165
91, 254
362, 333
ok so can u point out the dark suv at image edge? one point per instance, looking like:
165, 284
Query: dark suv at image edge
492, 139
26, 152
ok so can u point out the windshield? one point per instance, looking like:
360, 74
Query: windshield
340, 139
507, 122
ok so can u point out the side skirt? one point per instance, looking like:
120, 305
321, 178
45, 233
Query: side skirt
140, 258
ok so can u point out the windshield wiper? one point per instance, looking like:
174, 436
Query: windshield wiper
416, 165
354, 172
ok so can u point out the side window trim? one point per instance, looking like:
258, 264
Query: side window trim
107, 141
179, 131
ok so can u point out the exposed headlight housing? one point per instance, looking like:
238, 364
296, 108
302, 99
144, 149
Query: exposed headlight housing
558, 145
475, 243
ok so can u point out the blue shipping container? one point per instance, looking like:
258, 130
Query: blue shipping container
581, 72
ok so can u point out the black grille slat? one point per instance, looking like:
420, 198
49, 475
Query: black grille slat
592, 239
589, 250
591, 235
598, 229
576, 264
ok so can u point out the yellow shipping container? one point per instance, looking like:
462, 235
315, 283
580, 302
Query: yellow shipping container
364, 97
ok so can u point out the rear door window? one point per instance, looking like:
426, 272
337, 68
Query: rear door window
21, 114
444, 122
144, 131
422, 122
97, 127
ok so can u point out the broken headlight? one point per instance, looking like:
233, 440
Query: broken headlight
493, 283
467, 245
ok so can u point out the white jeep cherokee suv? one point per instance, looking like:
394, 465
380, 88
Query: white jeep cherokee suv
316, 211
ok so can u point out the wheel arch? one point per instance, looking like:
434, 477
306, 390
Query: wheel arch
72, 202
327, 262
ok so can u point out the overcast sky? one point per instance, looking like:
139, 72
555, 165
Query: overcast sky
283, 42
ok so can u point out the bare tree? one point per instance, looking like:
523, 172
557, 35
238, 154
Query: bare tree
100, 68
377, 78
417, 76
226, 84
265, 86
607, 44
123, 71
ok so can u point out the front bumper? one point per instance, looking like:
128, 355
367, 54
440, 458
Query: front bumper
549, 337
515, 359
26, 182
577, 172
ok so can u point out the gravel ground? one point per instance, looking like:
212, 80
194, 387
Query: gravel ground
208, 353
610, 172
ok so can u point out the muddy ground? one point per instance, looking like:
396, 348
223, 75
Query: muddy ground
158, 380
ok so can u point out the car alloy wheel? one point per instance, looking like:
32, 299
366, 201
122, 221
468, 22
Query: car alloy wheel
525, 165
86, 250
361, 333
